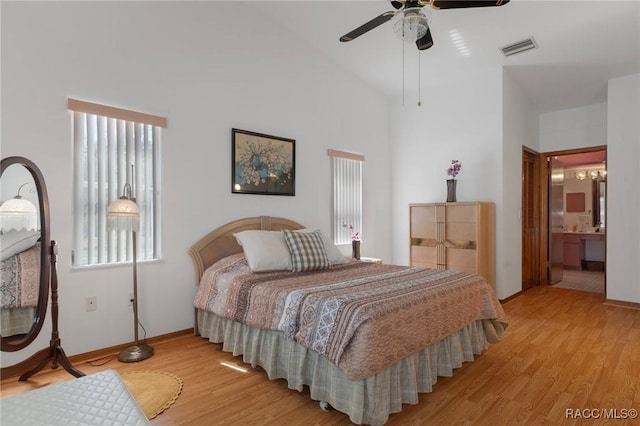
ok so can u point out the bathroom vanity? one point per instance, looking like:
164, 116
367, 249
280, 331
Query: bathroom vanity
584, 250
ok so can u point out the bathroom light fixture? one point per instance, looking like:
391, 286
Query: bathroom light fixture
592, 174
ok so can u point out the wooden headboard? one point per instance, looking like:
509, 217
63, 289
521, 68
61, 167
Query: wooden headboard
221, 243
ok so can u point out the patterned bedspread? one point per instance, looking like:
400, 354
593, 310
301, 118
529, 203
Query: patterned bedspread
20, 279
362, 316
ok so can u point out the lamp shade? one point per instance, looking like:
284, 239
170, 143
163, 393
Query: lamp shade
19, 214
123, 215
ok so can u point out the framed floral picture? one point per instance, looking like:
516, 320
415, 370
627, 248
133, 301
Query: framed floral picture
262, 164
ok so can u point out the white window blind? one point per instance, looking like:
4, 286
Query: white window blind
107, 143
346, 170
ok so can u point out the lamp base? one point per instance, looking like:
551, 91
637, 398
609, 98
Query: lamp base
135, 353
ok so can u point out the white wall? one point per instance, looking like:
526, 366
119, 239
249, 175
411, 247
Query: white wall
192, 63
574, 128
615, 124
458, 121
623, 192
520, 128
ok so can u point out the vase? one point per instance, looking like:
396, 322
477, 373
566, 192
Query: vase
355, 249
451, 190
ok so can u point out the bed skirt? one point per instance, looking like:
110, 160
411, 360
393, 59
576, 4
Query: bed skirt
16, 320
368, 401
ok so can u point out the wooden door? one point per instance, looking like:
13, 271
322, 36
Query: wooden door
530, 219
556, 220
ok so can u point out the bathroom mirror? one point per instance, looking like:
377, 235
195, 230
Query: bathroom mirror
599, 202
24, 234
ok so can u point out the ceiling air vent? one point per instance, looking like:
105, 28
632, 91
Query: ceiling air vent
518, 47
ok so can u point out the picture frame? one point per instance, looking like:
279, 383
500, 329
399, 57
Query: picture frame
262, 164
575, 202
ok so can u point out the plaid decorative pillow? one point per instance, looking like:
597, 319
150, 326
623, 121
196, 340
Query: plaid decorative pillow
307, 250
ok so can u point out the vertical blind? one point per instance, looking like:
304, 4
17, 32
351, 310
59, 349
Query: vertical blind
346, 170
107, 143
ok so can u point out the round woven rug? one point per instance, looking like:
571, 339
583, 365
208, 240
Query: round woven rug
154, 391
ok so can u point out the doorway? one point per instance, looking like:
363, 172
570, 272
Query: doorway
577, 242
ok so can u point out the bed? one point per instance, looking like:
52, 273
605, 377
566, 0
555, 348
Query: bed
363, 353
19, 287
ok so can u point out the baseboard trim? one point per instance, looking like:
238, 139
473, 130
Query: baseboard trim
10, 373
622, 304
102, 353
510, 298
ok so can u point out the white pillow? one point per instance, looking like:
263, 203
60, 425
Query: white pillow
333, 252
264, 250
14, 242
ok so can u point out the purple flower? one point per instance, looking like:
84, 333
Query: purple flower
355, 235
454, 169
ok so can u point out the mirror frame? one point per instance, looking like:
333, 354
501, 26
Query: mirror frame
597, 193
45, 266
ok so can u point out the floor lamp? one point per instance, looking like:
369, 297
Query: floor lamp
124, 214
18, 214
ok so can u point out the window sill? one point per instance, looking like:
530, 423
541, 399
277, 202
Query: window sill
114, 265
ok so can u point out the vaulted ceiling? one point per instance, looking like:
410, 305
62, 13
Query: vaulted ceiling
581, 45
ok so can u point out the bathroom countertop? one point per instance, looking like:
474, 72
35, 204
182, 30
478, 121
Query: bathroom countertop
585, 232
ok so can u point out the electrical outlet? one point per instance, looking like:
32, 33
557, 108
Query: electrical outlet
91, 303
130, 300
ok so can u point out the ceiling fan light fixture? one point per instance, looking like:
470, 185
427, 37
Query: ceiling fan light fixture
412, 24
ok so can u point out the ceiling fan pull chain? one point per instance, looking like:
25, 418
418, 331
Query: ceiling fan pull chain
419, 82
402, 73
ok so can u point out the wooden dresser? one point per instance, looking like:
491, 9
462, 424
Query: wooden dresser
458, 236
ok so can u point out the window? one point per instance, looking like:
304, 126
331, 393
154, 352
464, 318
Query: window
112, 147
346, 170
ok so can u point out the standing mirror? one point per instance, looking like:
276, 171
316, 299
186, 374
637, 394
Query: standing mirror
28, 271
24, 242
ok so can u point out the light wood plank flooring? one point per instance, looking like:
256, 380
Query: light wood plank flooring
563, 350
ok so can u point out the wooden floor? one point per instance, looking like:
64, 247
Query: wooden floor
563, 350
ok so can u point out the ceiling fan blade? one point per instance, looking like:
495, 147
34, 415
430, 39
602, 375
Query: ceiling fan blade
425, 41
375, 22
460, 4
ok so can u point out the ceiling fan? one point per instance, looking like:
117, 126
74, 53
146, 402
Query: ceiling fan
414, 24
